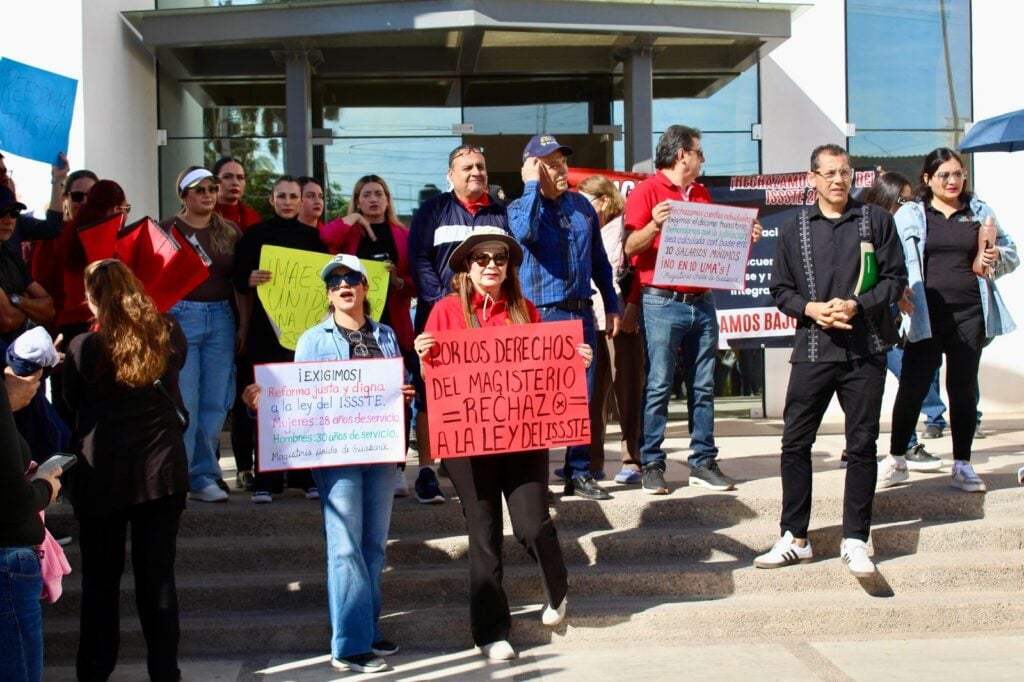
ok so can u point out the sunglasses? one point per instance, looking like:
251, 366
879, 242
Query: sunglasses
351, 278
205, 189
9, 213
77, 197
483, 259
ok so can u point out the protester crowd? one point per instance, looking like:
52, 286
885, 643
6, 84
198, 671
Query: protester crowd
143, 392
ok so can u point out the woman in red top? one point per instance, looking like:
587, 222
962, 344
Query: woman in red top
487, 294
231, 188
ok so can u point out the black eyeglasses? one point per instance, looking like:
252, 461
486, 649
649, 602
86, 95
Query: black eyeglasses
205, 189
351, 278
699, 153
9, 213
76, 196
483, 259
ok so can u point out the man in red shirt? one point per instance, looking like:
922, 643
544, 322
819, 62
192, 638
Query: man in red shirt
674, 317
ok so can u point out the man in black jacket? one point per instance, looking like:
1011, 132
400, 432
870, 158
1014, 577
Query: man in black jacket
843, 333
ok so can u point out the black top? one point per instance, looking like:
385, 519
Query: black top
14, 279
382, 249
829, 269
262, 345
949, 253
128, 440
20, 500
361, 338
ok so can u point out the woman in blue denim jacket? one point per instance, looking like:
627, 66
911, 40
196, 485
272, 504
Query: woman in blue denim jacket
952, 311
355, 499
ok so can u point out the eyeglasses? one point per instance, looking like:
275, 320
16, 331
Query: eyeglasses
699, 153
351, 278
355, 339
957, 176
843, 174
76, 196
124, 208
9, 213
205, 189
483, 259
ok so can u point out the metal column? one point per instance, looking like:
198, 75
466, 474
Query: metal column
638, 85
298, 117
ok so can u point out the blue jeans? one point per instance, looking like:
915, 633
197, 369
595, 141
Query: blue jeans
669, 325
577, 457
207, 383
21, 618
932, 407
356, 503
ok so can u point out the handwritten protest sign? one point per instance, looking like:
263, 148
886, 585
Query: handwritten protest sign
35, 111
506, 389
317, 414
295, 297
704, 245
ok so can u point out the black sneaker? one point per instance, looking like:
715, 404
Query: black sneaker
919, 459
428, 490
384, 647
586, 487
931, 431
653, 481
710, 476
360, 663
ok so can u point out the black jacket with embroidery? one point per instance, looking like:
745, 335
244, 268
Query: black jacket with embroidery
818, 259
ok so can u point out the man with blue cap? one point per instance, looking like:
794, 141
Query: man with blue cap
562, 252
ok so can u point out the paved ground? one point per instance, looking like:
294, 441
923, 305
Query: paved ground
969, 656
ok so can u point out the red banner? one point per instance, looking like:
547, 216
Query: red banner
166, 264
506, 389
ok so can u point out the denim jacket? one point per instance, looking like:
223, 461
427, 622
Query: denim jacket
323, 341
912, 226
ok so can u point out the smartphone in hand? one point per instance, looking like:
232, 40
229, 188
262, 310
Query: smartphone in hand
61, 459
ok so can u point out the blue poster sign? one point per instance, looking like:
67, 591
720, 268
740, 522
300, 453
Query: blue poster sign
35, 111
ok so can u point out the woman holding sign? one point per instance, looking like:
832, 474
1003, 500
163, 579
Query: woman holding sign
487, 294
355, 499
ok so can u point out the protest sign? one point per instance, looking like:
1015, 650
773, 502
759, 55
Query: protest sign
35, 111
704, 245
318, 414
506, 389
295, 297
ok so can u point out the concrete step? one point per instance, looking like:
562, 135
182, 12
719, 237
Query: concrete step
600, 619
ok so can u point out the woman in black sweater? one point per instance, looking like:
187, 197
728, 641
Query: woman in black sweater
21, 529
122, 382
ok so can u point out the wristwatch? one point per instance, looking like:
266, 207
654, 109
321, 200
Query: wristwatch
15, 300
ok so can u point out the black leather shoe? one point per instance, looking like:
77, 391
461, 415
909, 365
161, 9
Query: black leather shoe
586, 487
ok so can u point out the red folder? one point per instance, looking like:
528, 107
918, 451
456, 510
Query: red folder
99, 238
166, 263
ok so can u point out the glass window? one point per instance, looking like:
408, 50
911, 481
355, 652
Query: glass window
902, 151
908, 64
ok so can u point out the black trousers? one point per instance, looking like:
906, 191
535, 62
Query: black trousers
480, 482
859, 385
243, 428
154, 527
959, 333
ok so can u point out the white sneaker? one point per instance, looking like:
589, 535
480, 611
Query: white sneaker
211, 493
552, 616
785, 552
965, 479
401, 485
892, 470
855, 554
498, 651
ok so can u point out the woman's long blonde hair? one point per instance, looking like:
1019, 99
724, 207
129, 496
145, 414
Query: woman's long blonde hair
223, 235
600, 186
389, 214
515, 302
134, 336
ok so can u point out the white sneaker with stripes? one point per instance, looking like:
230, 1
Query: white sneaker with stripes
965, 478
785, 553
854, 553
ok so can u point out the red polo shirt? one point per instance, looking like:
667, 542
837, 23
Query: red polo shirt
639, 204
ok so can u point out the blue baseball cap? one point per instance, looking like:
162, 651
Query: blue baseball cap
8, 200
542, 145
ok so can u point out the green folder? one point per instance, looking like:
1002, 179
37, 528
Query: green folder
868, 276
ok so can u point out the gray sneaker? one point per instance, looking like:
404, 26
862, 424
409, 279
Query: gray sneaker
653, 482
711, 477
919, 459
931, 431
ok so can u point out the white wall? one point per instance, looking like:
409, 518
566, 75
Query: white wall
119, 79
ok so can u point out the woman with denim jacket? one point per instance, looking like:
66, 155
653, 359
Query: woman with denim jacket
954, 312
355, 499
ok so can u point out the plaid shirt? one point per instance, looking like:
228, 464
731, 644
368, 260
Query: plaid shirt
562, 248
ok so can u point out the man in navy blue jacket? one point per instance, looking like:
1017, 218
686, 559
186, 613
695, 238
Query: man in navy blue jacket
440, 225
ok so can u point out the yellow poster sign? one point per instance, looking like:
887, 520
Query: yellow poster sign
295, 298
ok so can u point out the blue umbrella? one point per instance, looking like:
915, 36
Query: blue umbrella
1003, 133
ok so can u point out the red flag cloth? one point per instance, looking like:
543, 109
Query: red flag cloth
99, 237
168, 266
